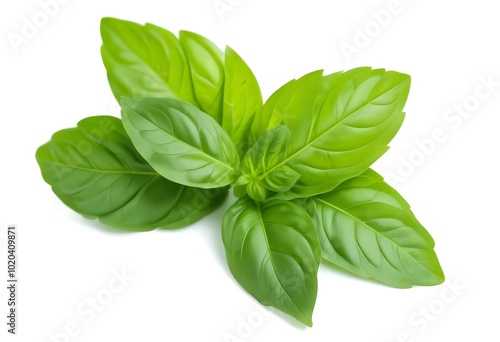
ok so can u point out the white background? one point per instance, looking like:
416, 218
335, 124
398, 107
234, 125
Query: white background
181, 288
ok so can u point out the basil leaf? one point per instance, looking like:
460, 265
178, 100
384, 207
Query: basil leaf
340, 124
95, 170
181, 142
149, 61
366, 227
268, 152
281, 179
242, 99
207, 72
273, 251
144, 61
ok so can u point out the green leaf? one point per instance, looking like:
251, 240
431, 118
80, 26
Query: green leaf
273, 251
95, 170
366, 227
267, 154
144, 61
281, 179
257, 191
181, 142
207, 71
340, 124
242, 99
149, 61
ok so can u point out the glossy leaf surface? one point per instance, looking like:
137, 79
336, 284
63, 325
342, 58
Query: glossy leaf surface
366, 227
340, 124
206, 62
96, 171
273, 251
181, 142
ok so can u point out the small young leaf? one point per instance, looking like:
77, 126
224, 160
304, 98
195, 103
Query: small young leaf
340, 124
257, 191
366, 227
242, 99
273, 251
95, 170
281, 179
267, 154
181, 142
